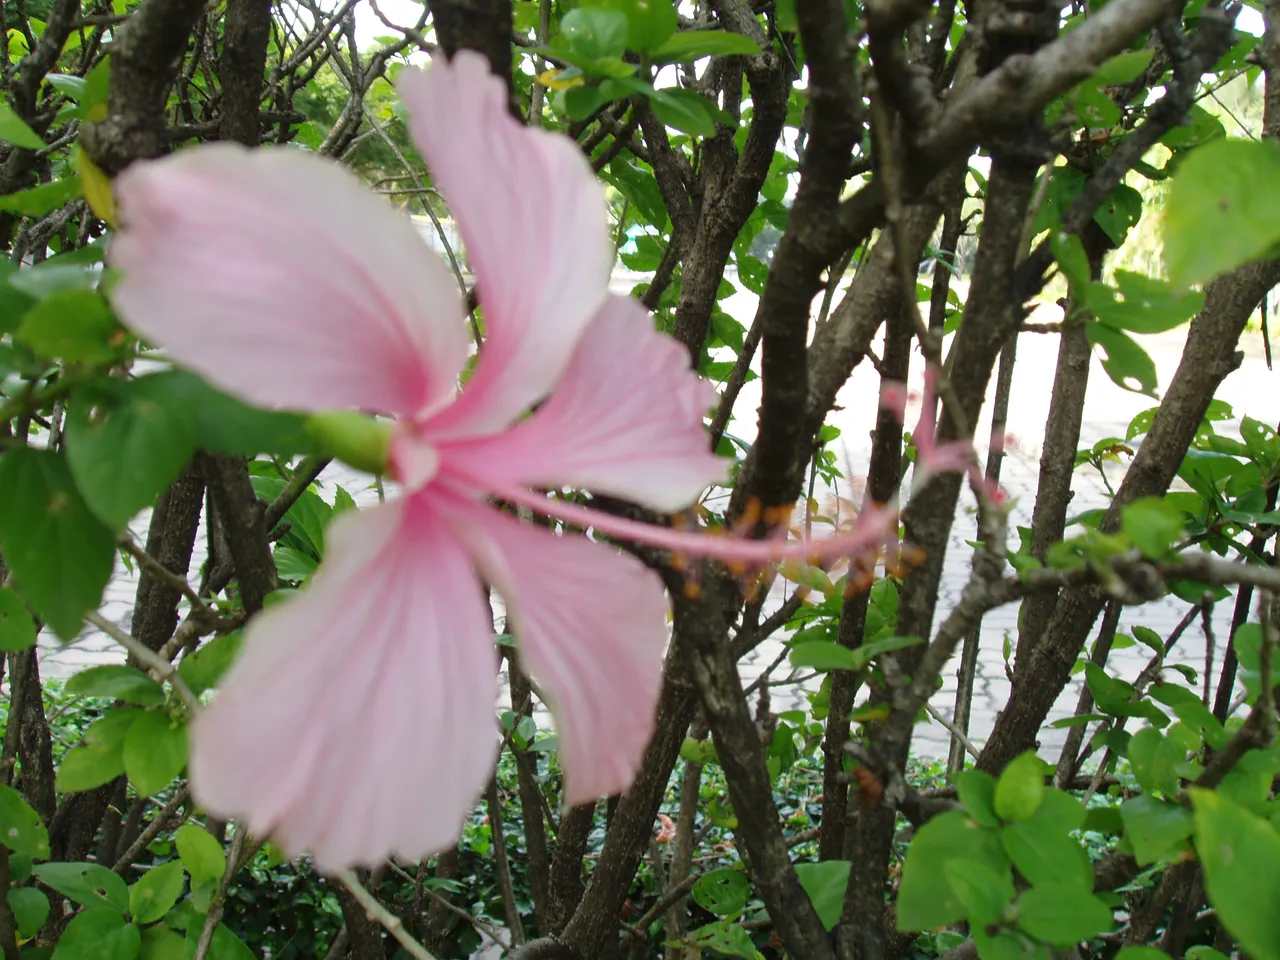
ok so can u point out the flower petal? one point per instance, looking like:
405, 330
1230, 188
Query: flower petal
625, 419
275, 274
535, 225
591, 625
359, 720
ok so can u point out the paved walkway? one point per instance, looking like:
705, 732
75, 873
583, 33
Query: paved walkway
1251, 390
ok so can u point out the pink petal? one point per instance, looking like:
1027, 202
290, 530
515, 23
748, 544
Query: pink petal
279, 277
625, 419
359, 720
535, 225
591, 625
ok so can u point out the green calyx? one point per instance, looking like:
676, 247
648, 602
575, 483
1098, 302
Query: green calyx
358, 440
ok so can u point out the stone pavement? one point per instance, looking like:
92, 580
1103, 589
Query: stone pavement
1250, 390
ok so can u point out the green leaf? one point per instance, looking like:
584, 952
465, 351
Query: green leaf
161, 943
30, 909
155, 752
984, 893
117, 682
20, 827
98, 934
1240, 856
650, 22
1004, 945
201, 854
1142, 304
1154, 761
687, 111
869, 651
1072, 261
101, 760
1144, 953
595, 33
1061, 914
67, 84
126, 447
1223, 209
1126, 363
825, 883
158, 890
722, 891
1119, 213
17, 628
1157, 830
293, 564
926, 899
61, 555
1020, 788
1153, 525
13, 129
1122, 68
75, 325
693, 45
225, 425
1043, 853
1094, 108
227, 946
84, 768
88, 884
977, 791
823, 655
202, 670
41, 200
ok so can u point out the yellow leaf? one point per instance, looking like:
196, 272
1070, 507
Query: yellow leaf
556, 79
96, 188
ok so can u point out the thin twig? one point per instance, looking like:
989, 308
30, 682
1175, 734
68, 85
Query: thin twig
165, 575
152, 829
163, 669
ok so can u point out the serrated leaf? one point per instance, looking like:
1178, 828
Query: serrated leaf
926, 899
161, 943
155, 752
202, 670
977, 791
225, 425
1157, 830
1062, 915
984, 893
695, 44
722, 892
20, 827
1240, 856
13, 129
156, 891
1020, 788
1223, 209
41, 200
117, 681
126, 446
1154, 761
74, 325
825, 883
61, 554
201, 853
30, 909
98, 933
88, 884
17, 628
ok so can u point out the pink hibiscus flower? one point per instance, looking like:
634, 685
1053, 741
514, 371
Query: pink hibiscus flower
359, 721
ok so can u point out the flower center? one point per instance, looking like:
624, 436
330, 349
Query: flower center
414, 462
